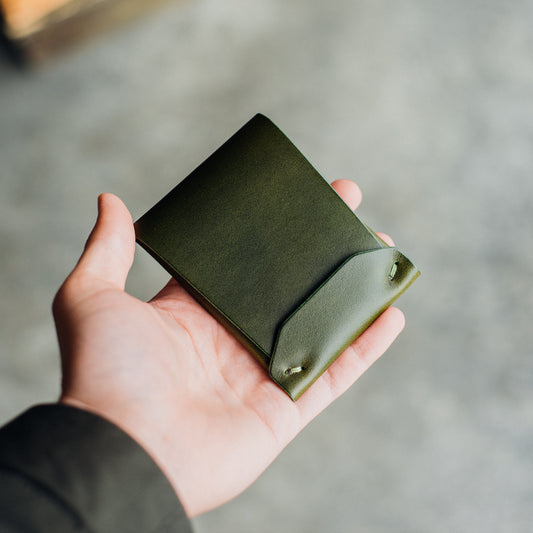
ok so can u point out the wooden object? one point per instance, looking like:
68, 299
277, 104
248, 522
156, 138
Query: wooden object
36, 29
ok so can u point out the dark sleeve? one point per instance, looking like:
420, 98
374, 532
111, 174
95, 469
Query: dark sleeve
66, 470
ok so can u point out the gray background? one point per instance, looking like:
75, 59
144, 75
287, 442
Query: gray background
429, 106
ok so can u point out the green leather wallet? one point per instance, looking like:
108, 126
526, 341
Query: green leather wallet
267, 246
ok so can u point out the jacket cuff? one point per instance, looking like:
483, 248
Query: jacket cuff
95, 469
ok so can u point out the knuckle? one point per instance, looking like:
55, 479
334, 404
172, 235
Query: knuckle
65, 295
60, 298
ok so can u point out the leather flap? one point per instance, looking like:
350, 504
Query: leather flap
253, 232
327, 322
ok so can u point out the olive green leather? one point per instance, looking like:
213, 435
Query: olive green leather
336, 314
267, 246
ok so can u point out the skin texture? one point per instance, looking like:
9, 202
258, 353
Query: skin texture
173, 378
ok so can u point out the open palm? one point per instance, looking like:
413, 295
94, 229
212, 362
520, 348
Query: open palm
177, 381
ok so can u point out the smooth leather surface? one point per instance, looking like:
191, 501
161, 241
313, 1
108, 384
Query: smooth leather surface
252, 233
336, 314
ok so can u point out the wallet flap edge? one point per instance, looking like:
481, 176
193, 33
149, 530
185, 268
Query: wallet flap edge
335, 314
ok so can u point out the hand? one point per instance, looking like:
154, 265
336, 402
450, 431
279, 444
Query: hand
171, 376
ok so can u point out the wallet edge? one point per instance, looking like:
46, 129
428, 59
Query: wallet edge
262, 357
346, 279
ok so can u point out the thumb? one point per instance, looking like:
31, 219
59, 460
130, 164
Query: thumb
109, 251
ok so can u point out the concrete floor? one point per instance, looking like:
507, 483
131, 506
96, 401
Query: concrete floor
429, 107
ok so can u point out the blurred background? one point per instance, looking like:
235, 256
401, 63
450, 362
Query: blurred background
428, 106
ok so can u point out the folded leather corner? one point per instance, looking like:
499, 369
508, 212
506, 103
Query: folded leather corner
335, 314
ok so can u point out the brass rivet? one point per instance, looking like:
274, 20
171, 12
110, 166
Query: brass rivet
393, 271
293, 370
